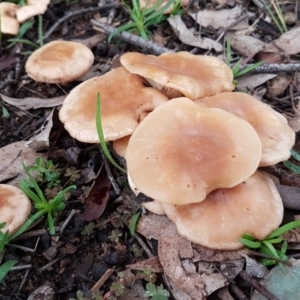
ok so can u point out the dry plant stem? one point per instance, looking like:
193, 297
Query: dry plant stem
116, 187
237, 292
143, 245
24, 267
133, 39
51, 263
254, 253
261, 289
34, 233
274, 68
102, 280
77, 13
25, 249
23, 281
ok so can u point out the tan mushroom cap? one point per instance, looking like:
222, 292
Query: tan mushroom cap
123, 99
59, 62
8, 22
254, 207
150, 3
180, 152
15, 207
120, 145
277, 137
153, 206
181, 73
31, 9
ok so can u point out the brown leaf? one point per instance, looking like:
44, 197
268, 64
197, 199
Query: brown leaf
97, 198
152, 264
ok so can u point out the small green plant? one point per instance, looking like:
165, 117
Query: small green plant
47, 172
266, 246
156, 292
236, 69
43, 207
101, 135
5, 113
278, 19
115, 236
142, 19
88, 229
94, 296
291, 166
133, 222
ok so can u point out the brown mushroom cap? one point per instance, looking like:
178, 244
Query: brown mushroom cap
254, 207
8, 22
181, 73
277, 138
180, 152
123, 99
15, 207
120, 145
31, 9
59, 62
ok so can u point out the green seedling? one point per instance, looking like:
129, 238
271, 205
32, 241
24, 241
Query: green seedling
101, 135
115, 236
142, 19
4, 238
49, 208
22, 31
266, 246
5, 268
156, 292
133, 222
236, 69
291, 166
278, 19
47, 172
5, 113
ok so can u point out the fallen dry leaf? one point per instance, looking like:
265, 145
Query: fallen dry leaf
33, 103
220, 18
278, 85
151, 263
40, 140
188, 38
11, 158
251, 81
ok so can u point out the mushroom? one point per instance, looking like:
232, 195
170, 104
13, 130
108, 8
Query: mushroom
153, 206
254, 207
15, 207
59, 62
181, 73
149, 3
8, 22
123, 99
31, 9
120, 145
180, 152
277, 137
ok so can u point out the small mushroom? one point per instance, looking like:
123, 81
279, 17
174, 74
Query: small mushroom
15, 207
123, 99
254, 207
31, 9
276, 136
180, 152
8, 22
181, 73
120, 145
59, 62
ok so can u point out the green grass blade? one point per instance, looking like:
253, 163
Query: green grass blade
280, 15
228, 52
133, 222
5, 268
101, 135
120, 29
27, 42
148, 10
292, 166
159, 12
40, 30
250, 244
249, 68
283, 229
295, 155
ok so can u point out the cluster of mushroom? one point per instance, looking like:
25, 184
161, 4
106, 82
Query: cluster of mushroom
190, 143
12, 15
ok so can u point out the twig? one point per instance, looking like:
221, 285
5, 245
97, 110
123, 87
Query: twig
133, 39
102, 280
24, 267
274, 68
45, 267
144, 246
77, 13
23, 280
261, 289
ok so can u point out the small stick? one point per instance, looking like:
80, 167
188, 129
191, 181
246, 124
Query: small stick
77, 13
102, 280
274, 68
144, 246
23, 280
45, 267
261, 289
24, 267
133, 39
